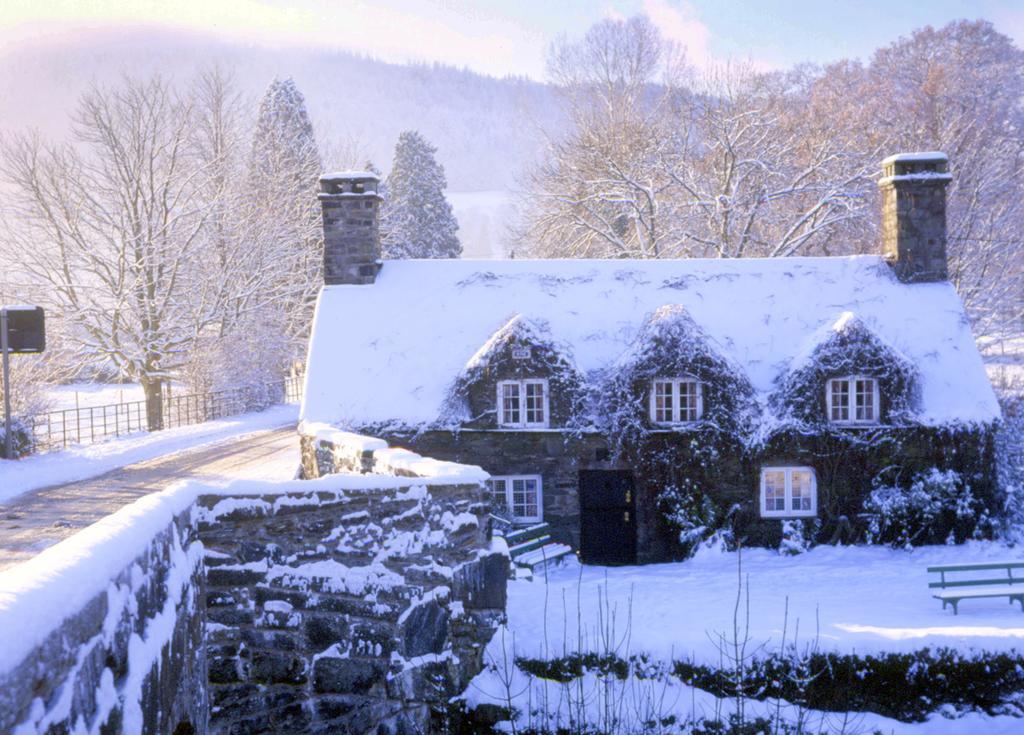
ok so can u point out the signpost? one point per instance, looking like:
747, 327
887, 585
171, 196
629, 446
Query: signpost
22, 331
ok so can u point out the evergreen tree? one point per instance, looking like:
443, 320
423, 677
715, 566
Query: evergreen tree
285, 166
284, 143
417, 221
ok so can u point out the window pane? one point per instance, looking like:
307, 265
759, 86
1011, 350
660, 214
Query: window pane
524, 498
866, 400
801, 485
663, 402
499, 498
535, 403
688, 400
510, 403
840, 400
775, 490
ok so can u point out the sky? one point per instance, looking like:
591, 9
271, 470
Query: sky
510, 37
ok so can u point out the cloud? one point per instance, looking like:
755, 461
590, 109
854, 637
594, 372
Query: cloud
678, 22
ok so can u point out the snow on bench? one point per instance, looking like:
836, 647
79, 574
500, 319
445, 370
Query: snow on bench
980, 585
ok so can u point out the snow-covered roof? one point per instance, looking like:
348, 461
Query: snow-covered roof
389, 352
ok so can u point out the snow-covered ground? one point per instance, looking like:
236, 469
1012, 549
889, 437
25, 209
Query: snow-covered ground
851, 599
865, 598
81, 462
84, 395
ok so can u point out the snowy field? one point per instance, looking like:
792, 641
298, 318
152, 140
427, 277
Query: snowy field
866, 599
84, 395
850, 599
81, 462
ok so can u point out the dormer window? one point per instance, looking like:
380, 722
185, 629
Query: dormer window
676, 401
523, 404
852, 400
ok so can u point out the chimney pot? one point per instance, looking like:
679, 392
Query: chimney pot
914, 215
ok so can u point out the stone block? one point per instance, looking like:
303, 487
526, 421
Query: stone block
425, 630
346, 675
220, 577
323, 631
482, 584
277, 667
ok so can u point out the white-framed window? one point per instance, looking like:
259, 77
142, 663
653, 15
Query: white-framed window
852, 400
676, 400
522, 496
523, 403
788, 492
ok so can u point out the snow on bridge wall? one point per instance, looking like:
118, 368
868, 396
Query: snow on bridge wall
106, 628
340, 604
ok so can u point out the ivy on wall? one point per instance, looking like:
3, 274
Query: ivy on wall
848, 347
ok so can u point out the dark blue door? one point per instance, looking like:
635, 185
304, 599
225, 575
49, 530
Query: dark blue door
607, 517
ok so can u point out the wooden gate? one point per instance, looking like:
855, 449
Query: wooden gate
607, 517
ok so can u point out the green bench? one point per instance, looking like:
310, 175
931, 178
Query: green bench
960, 582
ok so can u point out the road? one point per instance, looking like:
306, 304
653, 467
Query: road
35, 520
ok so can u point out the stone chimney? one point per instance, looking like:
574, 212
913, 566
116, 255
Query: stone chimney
914, 215
351, 205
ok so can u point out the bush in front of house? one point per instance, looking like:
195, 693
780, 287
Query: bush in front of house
937, 507
692, 514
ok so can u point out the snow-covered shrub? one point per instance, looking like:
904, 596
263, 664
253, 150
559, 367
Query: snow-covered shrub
908, 686
798, 535
21, 442
691, 512
847, 347
671, 344
938, 507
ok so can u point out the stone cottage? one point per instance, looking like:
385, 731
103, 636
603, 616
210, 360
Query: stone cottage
628, 403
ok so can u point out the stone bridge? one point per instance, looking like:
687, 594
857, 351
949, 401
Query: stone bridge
357, 602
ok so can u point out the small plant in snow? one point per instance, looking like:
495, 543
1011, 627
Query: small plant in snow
798, 535
938, 507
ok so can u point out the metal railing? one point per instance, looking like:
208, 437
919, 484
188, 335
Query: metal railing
60, 429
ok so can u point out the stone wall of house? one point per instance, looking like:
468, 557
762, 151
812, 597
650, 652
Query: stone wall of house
129, 659
350, 610
846, 463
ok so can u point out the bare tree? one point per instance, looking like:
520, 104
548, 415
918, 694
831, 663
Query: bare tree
599, 192
726, 165
958, 89
111, 223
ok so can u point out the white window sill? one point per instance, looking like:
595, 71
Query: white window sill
783, 514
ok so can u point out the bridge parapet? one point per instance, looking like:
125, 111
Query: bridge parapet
341, 604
